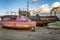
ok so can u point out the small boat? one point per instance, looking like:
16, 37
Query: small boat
21, 22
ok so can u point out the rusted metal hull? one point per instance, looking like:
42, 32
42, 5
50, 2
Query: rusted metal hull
44, 20
18, 22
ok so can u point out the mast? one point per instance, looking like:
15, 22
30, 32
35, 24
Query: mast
28, 14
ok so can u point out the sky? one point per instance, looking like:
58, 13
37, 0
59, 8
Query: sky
14, 5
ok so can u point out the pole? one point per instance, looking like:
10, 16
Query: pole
27, 6
28, 9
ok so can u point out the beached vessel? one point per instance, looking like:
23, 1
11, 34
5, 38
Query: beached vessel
21, 22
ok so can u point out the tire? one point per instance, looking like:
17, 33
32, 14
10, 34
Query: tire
33, 29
